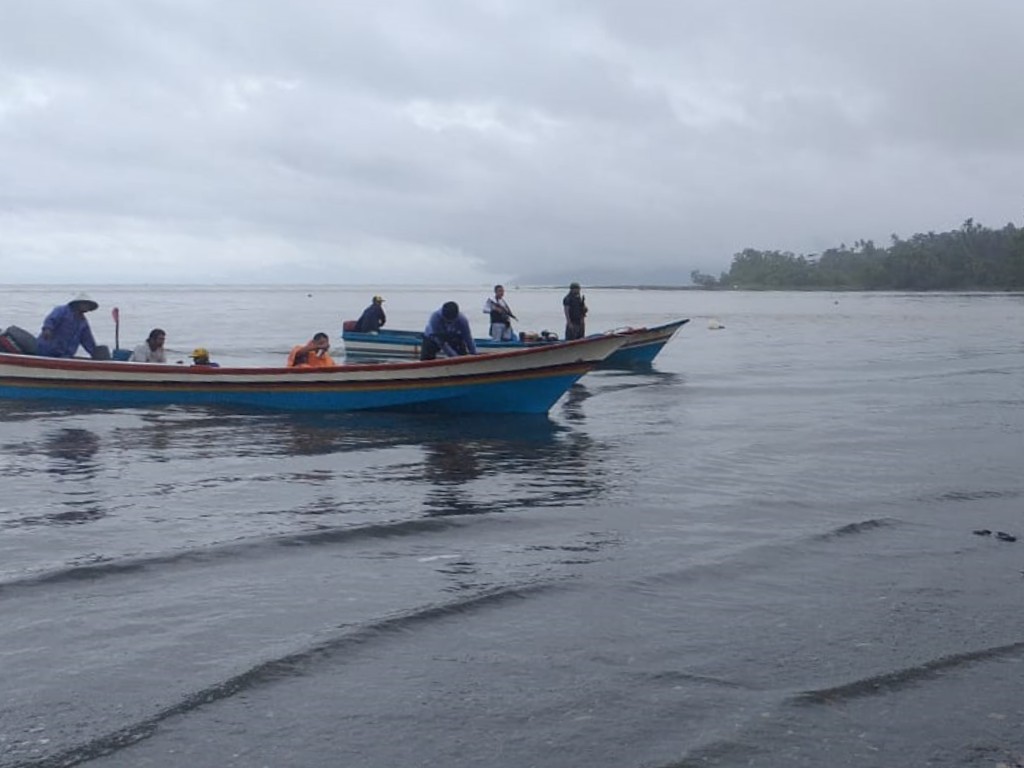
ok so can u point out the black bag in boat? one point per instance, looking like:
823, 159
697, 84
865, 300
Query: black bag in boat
17, 341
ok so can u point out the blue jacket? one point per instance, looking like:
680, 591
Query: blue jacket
67, 329
447, 333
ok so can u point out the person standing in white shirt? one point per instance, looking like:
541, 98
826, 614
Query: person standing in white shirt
501, 315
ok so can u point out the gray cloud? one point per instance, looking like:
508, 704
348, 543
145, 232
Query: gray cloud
470, 141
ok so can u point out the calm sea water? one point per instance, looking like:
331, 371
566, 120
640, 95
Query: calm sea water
761, 552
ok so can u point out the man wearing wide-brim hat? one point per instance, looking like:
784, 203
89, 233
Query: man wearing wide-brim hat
66, 327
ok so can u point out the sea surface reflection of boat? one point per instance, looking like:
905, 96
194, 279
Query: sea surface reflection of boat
528, 380
641, 347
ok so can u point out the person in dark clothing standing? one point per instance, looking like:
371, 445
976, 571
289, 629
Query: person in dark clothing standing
373, 317
575, 307
447, 332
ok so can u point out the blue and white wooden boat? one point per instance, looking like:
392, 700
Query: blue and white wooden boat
641, 347
528, 380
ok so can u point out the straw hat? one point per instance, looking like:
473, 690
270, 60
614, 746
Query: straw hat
85, 301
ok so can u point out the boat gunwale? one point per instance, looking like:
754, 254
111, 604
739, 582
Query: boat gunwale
400, 336
38, 362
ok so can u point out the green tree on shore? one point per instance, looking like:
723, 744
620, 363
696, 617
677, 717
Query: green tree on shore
972, 257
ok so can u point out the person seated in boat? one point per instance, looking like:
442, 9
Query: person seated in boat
201, 357
448, 333
373, 317
501, 315
312, 354
575, 307
66, 328
152, 349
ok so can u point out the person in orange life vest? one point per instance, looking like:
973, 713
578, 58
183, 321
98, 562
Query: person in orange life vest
312, 354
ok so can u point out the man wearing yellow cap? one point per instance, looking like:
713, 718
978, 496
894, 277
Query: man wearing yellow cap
201, 356
373, 317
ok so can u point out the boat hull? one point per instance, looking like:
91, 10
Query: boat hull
521, 381
641, 347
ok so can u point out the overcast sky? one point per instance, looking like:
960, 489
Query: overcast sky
411, 142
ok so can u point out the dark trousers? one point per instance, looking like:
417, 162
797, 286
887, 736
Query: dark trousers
429, 349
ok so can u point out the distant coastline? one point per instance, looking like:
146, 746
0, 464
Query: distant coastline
971, 258
804, 288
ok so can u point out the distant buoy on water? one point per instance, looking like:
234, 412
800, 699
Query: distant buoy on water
714, 325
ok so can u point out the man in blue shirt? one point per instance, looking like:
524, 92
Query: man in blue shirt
65, 328
447, 332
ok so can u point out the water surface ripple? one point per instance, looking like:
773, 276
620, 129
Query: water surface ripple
787, 543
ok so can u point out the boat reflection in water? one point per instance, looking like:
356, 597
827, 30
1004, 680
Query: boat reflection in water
572, 403
170, 478
72, 463
50, 473
471, 465
502, 465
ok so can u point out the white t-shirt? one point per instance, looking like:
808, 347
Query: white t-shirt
143, 354
492, 302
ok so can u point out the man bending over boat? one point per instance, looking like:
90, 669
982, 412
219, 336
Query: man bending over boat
312, 354
66, 327
447, 332
501, 315
373, 317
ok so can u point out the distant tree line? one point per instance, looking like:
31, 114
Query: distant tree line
972, 257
